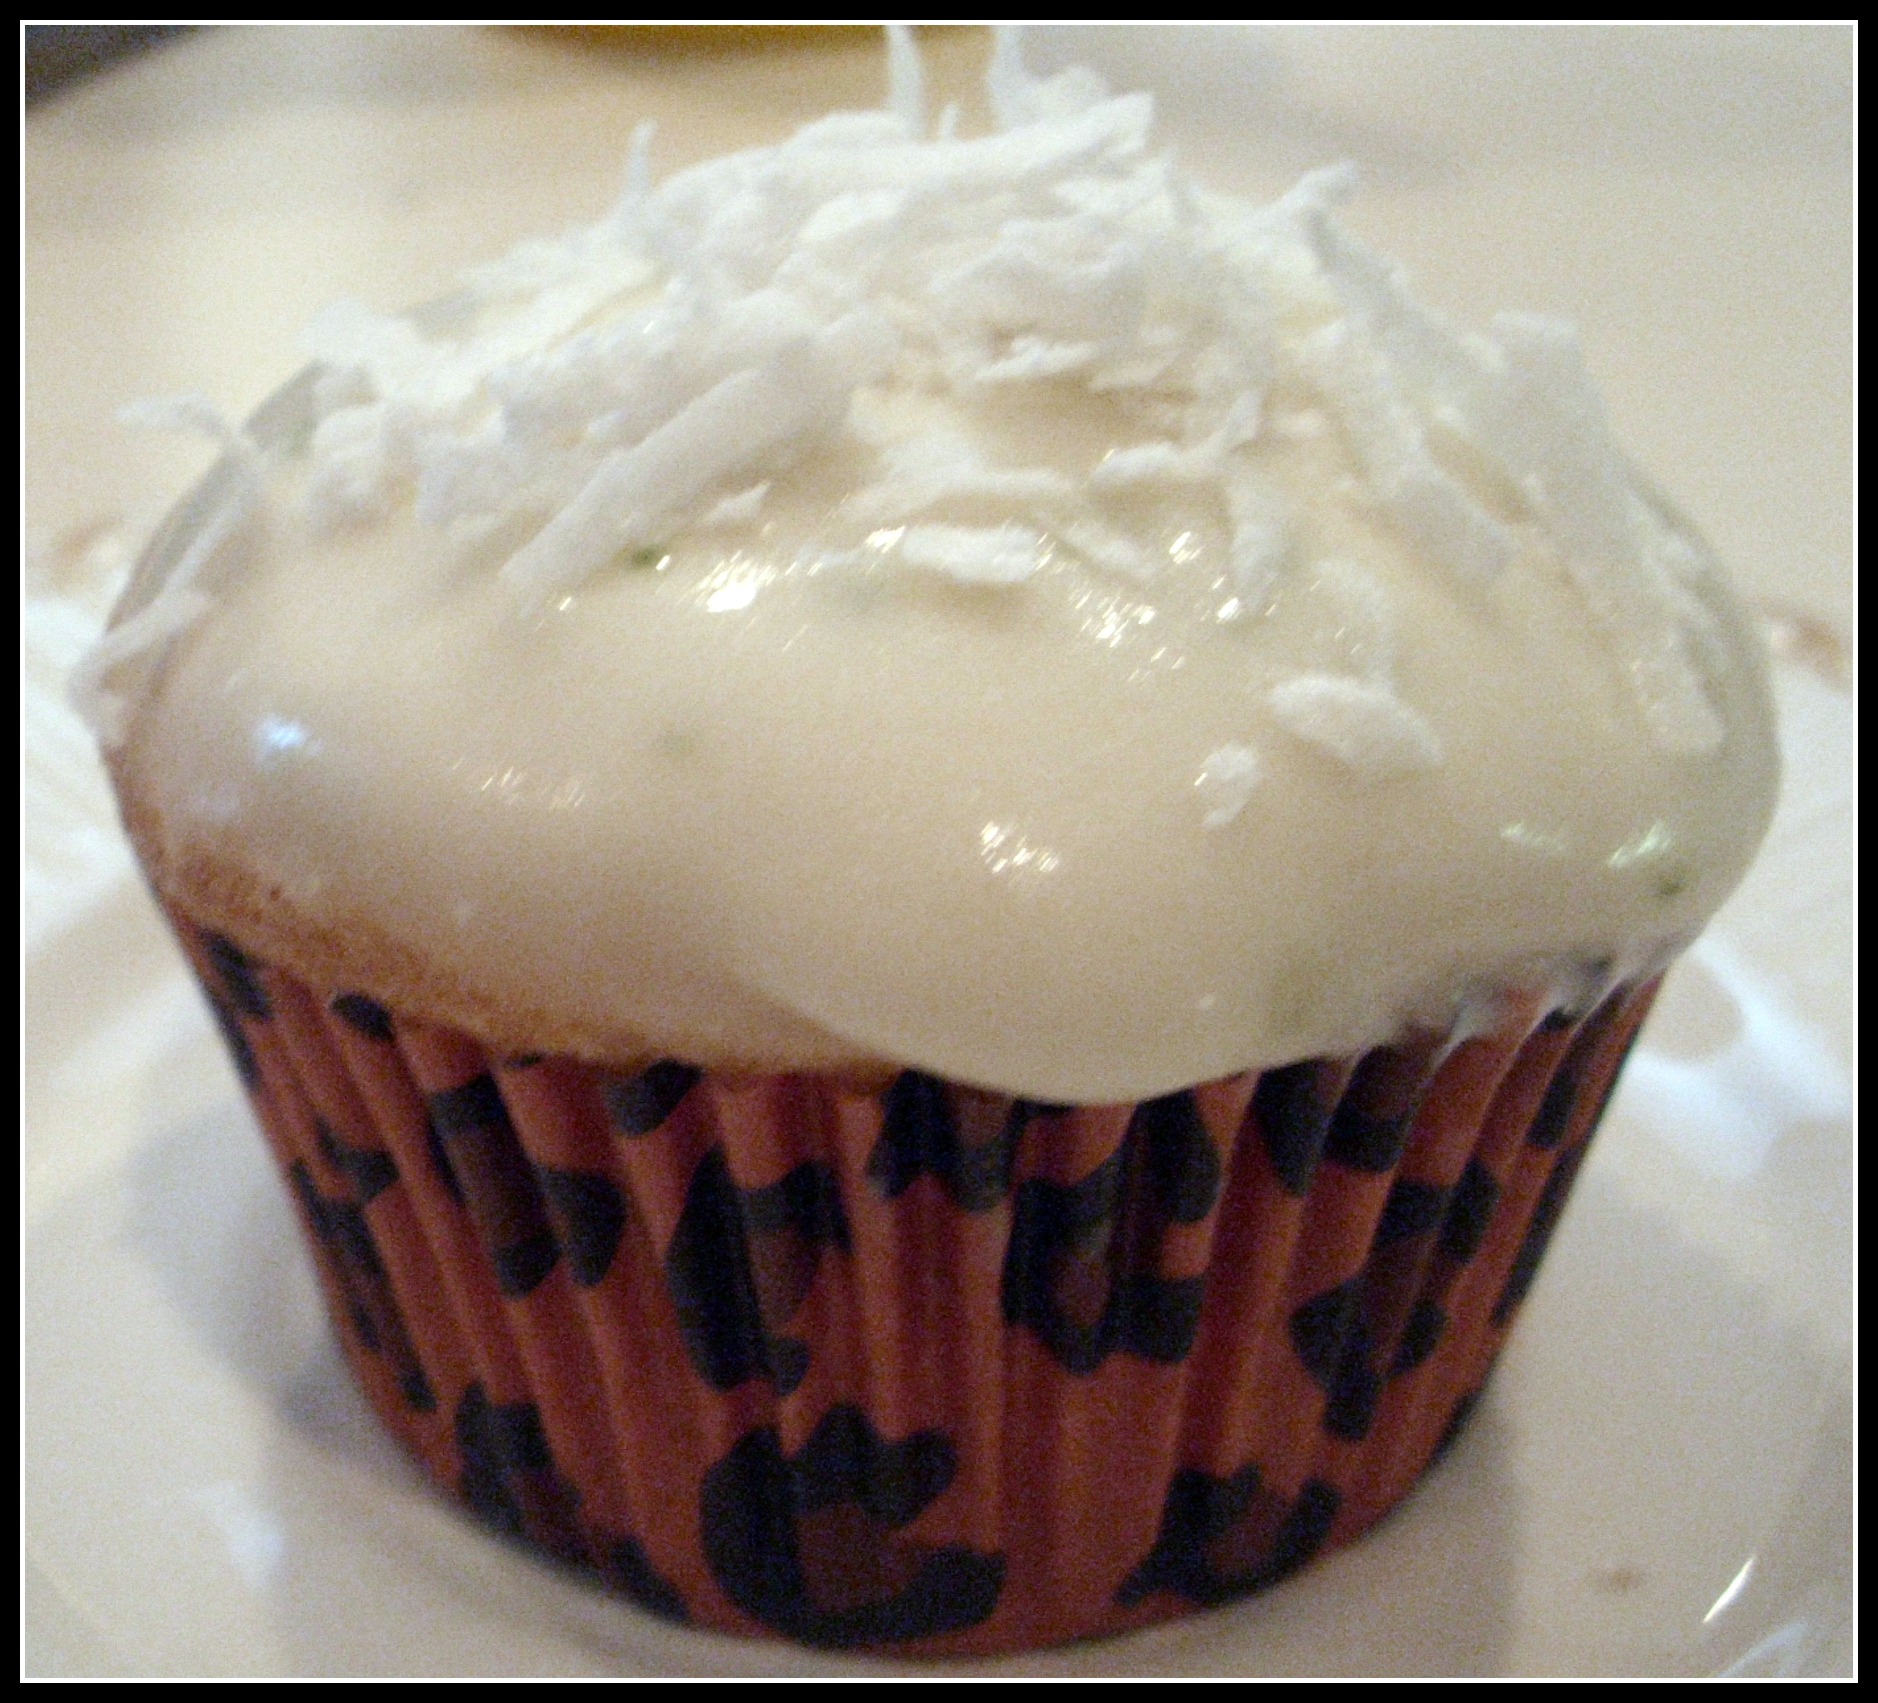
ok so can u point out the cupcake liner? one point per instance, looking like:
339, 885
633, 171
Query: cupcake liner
922, 1368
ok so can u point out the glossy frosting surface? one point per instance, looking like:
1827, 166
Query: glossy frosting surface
986, 697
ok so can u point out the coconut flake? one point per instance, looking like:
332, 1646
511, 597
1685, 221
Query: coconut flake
1109, 550
1025, 487
798, 394
1019, 98
976, 555
1138, 464
105, 710
906, 80
1261, 539
177, 603
360, 456
1227, 778
180, 598
390, 354
631, 210
1033, 358
1066, 274
1391, 443
1522, 399
943, 467
192, 413
1551, 435
1364, 724
737, 510
1160, 462
636, 491
852, 220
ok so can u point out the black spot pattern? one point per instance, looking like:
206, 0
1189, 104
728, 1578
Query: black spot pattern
628, 1571
474, 1105
439, 1157
638, 1104
740, 1263
1371, 1124
1222, 1538
1182, 1165
509, 1476
495, 1183
345, 1244
1394, 1310
1470, 1210
1391, 1310
589, 1214
1293, 1116
814, 1546
1555, 1111
805, 1546
1082, 1270
1593, 1122
246, 1066
1457, 1423
367, 1016
1539, 1228
1423, 1331
1363, 1142
239, 976
1551, 1203
1412, 1209
920, 1133
370, 1170
1549, 1128
1335, 1344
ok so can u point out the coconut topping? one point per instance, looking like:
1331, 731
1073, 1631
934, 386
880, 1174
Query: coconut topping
981, 602
621, 383
1227, 779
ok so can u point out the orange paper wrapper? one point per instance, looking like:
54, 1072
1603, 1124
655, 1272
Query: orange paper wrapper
926, 1369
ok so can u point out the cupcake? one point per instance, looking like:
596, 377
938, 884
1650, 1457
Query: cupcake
929, 860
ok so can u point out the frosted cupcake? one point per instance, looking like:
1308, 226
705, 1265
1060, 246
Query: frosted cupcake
929, 860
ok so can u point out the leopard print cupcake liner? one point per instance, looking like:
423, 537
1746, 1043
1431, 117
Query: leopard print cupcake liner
924, 1369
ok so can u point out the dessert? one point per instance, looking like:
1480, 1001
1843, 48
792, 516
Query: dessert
929, 858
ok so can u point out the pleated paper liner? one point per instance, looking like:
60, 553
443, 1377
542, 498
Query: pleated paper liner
927, 1369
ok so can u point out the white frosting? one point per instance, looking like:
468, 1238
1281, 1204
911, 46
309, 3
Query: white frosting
978, 604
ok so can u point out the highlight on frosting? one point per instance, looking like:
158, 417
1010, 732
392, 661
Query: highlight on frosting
629, 380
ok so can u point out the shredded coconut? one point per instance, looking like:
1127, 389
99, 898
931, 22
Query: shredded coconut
640, 377
1109, 550
105, 709
1260, 539
180, 598
977, 555
906, 80
191, 413
942, 467
1227, 779
738, 510
1359, 721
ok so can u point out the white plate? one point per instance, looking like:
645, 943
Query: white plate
1659, 1481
